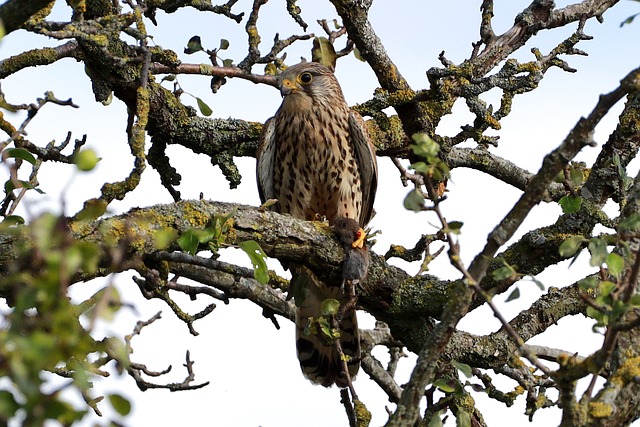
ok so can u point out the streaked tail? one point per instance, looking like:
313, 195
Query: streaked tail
319, 358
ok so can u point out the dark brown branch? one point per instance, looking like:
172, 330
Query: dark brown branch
14, 13
211, 70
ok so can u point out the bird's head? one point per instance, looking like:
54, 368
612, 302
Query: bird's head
308, 82
348, 230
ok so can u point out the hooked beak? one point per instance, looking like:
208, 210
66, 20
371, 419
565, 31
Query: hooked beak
286, 87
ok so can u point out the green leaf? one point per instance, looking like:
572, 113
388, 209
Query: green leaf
227, 62
168, 78
121, 405
323, 52
634, 301
8, 405
62, 412
631, 223
11, 185
330, 307
358, 55
13, 220
298, 289
598, 250
454, 226
570, 204
463, 419
204, 108
538, 283
462, 367
588, 283
19, 153
435, 420
326, 328
503, 273
93, 208
258, 260
119, 352
224, 44
605, 287
193, 45
189, 241
442, 170
599, 316
424, 146
629, 20
615, 263
422, 167
513, 295
414, 201
576, 176
570, 246
444, 385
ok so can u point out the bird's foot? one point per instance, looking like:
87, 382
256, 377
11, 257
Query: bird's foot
360, 236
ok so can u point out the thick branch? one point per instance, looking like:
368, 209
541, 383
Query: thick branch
14, 13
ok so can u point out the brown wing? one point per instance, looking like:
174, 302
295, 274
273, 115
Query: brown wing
366, 157
265, 159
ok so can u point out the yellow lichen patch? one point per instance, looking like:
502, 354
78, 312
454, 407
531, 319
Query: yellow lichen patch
386, 134
195, 217
600, 410
80, 228
627, 372
363, 416
516, 392
113, 230
401, 97
491, 121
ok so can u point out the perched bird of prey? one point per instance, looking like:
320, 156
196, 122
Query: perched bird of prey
316, 159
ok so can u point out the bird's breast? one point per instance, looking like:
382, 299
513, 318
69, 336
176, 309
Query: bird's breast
315, 171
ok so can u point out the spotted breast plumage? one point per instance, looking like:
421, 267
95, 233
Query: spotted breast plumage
315, 157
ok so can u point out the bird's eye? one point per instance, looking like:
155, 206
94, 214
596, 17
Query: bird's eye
305, 78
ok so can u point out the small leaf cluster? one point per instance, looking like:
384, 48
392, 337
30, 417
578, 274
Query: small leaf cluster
322, 326
606, 291
44, 334
20, 156
573, 178
323, 52
453, 386
16, 157
214, 236
195, 45
432, 167
508, 272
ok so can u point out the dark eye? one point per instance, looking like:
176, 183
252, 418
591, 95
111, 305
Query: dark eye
305, 78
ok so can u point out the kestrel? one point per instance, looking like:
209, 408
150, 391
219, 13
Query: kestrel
316, 159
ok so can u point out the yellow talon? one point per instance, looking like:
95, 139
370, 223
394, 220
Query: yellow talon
359, 242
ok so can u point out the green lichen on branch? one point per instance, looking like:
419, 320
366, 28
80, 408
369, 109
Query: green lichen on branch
36, 57
118, 190
15, 13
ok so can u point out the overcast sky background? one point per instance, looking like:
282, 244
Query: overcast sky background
254, 374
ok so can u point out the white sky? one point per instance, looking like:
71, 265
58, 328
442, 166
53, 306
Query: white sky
254, 374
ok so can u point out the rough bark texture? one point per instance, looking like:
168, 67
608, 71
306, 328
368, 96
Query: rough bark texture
421, 312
